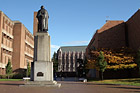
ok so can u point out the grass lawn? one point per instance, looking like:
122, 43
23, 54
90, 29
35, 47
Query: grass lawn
10, 79
130, 81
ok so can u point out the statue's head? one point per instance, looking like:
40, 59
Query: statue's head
42, 7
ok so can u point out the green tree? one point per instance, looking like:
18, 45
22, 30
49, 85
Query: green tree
28, 69
85, 63
101, 63
138, 60
8, 68
55, 61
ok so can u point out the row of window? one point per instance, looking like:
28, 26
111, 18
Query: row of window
5, 58
67, 62
7, 42
29, 40
28, 50
8, 26
71, 56
67, 69
8, 22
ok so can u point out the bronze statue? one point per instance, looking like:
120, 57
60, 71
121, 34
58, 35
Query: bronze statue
42, 16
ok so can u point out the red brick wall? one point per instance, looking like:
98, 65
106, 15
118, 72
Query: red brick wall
133, 28
16, 46
1, 21
35, 27
93, 43
113, 37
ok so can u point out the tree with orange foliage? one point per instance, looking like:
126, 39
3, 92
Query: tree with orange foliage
121, 58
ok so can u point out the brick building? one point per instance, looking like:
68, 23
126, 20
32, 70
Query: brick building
16, 44
23, 46
116, 34
6, 41
67, 57
133, 31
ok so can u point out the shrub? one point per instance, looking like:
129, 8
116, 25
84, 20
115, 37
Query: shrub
6, 76
18, 76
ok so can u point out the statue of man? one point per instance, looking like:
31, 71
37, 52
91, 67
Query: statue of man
42, 16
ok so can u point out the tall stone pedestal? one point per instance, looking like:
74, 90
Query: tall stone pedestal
42, 67
42, 71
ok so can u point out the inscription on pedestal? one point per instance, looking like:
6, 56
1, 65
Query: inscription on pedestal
40, 74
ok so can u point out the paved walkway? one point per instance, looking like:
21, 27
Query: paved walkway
67, 87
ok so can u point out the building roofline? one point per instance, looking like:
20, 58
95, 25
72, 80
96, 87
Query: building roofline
75, 46
18, 22
99, 30
114, 20
111, 21
6, 16
72, 48
133, 14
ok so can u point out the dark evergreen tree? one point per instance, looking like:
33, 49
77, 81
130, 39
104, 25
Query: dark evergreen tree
101, 63
28, 69
8, 68
80, 68
55, 64
85, 63
55, 61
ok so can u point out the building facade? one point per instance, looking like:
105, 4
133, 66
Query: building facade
16, 44
117, 34
133, 31
6, 41
23, 46
67, 58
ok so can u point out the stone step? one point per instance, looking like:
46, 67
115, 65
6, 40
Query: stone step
40, 84
46, 85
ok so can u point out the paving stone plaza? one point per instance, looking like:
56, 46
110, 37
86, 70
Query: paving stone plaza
67, 87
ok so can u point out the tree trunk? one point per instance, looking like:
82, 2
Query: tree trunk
27, 72
8, 76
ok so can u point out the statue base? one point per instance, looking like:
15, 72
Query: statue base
42, 71
41, 84
42, 67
